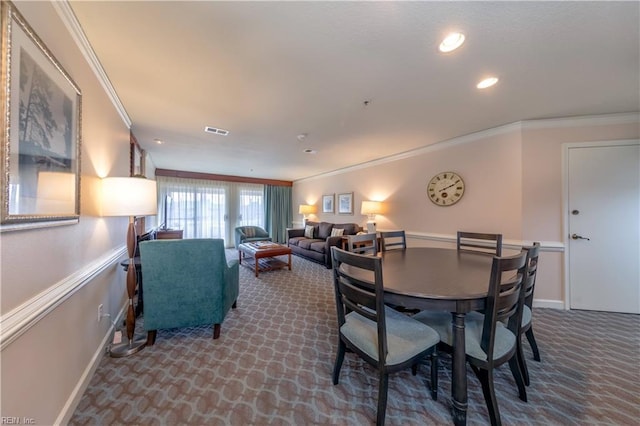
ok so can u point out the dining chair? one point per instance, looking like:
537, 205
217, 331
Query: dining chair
387, 340
392, 240
527, 314
490, 343
363, 244
474, 242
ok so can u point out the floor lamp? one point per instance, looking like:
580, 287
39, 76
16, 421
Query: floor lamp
129, 196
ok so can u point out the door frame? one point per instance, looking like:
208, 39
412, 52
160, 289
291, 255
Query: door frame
565, 202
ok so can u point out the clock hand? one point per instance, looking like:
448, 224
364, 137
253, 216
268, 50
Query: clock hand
447, 187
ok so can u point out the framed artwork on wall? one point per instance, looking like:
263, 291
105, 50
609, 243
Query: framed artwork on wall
136, 158
345, 203
327, 203
41, 125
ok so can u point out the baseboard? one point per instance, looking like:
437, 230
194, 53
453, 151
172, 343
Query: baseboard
553, 304
74, 399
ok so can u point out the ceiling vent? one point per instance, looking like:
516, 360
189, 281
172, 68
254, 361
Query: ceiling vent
216, 131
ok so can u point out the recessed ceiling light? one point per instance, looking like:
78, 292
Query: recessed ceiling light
158, 141
302, 136
451, 42
310, 151
487, 82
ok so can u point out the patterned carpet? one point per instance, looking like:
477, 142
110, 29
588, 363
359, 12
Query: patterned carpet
272, 365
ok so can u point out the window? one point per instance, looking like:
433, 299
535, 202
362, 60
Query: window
209, 209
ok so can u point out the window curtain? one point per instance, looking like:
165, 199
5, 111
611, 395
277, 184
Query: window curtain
207, 208
278, 211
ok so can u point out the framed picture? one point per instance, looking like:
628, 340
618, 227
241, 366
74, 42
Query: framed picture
137, 158
327, 204
345, 203
41, 125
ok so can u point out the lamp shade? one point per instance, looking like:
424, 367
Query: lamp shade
371, 207
306, 209
129, 196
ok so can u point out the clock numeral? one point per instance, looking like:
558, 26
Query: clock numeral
458, 187
457, 194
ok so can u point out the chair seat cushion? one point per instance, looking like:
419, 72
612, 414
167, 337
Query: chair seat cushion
405, 336
474, 321
526, 316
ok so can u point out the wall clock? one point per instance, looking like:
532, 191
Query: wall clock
445, 189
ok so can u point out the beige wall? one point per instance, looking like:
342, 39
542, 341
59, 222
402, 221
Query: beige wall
44, 368
514, 186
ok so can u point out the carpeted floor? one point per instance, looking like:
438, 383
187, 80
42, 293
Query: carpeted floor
273, 362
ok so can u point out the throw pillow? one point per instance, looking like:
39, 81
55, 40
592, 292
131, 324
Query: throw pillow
337, 232
249, 232
308, 231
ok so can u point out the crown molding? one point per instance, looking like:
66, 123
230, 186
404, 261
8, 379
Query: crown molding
73, 26
518, 126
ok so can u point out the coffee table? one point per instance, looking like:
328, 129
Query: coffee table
261, 255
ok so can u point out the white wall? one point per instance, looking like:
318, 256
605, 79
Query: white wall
513, 179
53, 279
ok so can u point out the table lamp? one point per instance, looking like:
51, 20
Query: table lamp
306, 209
129, 196
371, 209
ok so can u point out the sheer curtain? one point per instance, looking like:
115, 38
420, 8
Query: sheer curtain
208, 208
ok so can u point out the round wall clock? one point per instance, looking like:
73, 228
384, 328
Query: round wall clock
445, 189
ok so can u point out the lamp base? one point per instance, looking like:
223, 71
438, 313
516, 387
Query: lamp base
371, 227
127, 348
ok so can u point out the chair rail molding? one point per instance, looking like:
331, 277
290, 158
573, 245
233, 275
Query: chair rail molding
19, 320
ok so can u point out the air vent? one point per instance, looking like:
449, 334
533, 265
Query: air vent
216, 131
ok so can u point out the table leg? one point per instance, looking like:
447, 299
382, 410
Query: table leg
459, 371
255, 257
289, 261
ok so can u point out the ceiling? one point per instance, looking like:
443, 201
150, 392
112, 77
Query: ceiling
362, 80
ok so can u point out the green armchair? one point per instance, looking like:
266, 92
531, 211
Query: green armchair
247, 234
187, 283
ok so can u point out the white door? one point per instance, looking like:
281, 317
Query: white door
604, 228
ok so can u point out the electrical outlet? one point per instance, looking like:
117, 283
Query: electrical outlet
100, 312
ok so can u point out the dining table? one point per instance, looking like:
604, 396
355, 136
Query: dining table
439, 279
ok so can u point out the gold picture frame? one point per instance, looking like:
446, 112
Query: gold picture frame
41, 122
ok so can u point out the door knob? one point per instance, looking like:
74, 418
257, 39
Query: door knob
579, 237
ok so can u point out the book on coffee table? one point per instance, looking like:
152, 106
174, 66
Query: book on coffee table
265, 244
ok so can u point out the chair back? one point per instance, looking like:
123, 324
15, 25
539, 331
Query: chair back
364, 297
532, 270
505, 298
187, 282
474, 242
363, 244
392, 240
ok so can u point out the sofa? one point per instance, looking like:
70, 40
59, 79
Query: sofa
317, 246
247, 234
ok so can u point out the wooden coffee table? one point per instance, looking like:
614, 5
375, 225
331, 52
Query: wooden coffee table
261, 256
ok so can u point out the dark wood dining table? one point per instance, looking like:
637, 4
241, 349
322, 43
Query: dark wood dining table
444, 280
